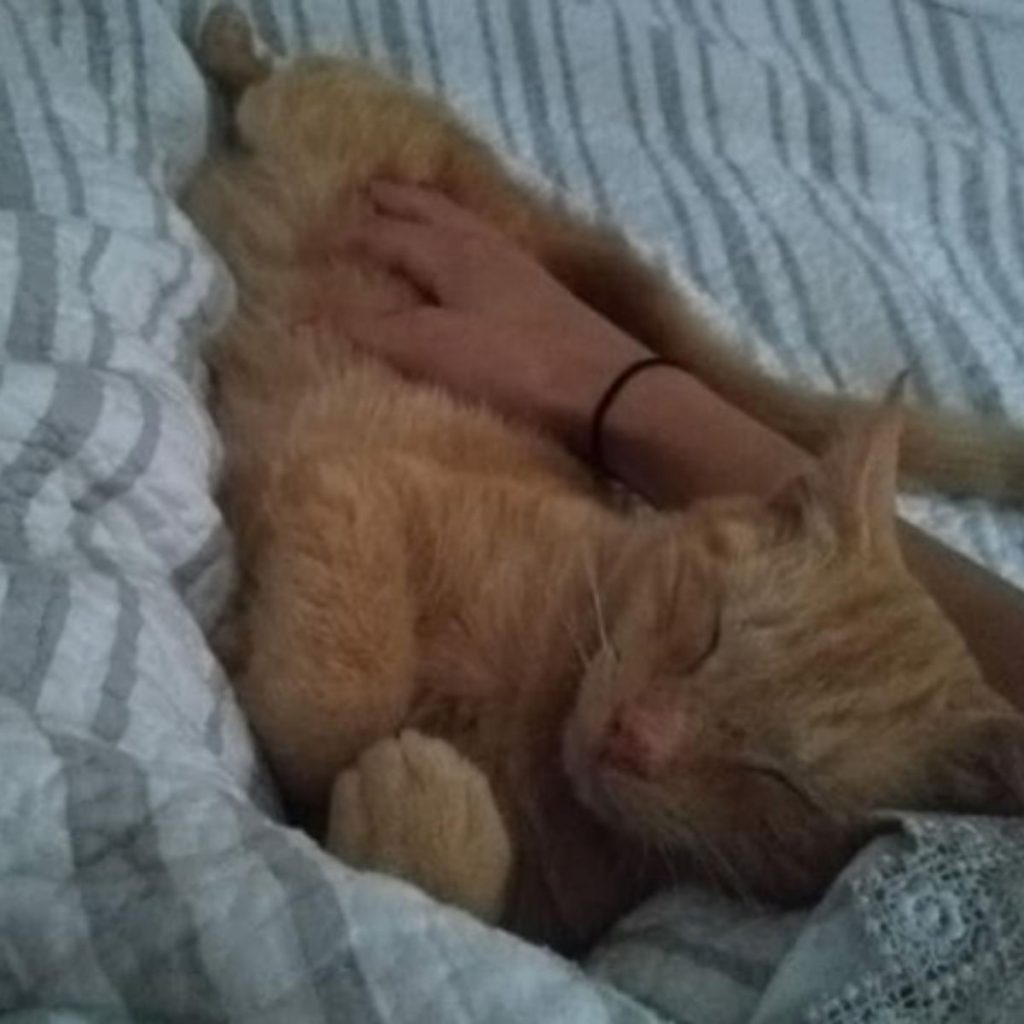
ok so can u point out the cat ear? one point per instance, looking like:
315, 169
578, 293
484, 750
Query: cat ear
987, 773
852, 487
231, 52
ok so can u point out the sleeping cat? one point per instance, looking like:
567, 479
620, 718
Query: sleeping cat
471, 669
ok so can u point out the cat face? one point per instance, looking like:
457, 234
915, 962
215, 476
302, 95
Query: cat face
769, 674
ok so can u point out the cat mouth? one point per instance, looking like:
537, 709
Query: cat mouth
589, 774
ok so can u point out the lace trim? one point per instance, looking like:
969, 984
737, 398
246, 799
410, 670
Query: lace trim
947, 920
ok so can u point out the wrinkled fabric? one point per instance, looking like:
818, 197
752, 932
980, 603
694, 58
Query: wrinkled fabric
842, 180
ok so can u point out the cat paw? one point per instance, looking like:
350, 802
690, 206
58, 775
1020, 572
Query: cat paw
413, 807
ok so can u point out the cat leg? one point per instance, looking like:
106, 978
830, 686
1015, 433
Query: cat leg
329, 617
413, 807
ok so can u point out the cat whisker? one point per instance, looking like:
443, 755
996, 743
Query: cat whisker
577, 643
718, 866
595, 595
670, 864
668, 829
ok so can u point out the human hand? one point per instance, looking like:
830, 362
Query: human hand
494, 324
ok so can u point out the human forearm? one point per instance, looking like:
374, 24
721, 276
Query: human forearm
672, 439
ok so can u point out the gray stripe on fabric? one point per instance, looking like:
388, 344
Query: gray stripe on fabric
145, 939
190, 572
752, 974
102, 326
433, 49
850, 44
494, 76
811, 29
98, 60
69, 169
134, 464
814, 33
742, 263
687, 233
97, 47
358, 28
188, 21
213, 734
303, 30
910, 57
572, 102
103, 339
396, 38
182, 275
531, 77
950, 69
71, 415
267, 24
985, 63
32, 620
110, 721
99, 241
321, 929
145, 156
777, 114
819, 132
16, 191
56, 19
810, 322
1016, 205
34, 309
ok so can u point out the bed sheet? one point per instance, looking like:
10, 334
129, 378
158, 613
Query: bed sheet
843, 180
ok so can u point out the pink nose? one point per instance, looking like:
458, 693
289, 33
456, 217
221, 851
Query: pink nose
631, 743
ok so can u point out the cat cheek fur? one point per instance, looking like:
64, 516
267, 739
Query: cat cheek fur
985, 769
741, 831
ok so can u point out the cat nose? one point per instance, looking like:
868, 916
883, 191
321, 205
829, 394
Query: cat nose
630, 744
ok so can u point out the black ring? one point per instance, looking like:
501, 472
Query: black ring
610, 394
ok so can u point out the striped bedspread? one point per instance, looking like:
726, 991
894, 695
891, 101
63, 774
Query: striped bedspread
844, 180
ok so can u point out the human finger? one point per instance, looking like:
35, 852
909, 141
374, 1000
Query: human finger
427, 205
410, 340
425, 255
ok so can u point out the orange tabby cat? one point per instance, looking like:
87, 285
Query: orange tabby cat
471, 670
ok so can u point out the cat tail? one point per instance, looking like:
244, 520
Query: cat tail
958, 454
231, 52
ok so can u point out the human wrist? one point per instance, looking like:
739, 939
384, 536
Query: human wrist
649, 403
673, 439
573, 392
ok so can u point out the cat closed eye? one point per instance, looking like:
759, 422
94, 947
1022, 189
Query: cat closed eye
710, 648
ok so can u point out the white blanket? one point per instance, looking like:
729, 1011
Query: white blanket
844, 179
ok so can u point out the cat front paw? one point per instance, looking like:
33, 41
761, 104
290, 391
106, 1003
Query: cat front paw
413, 807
